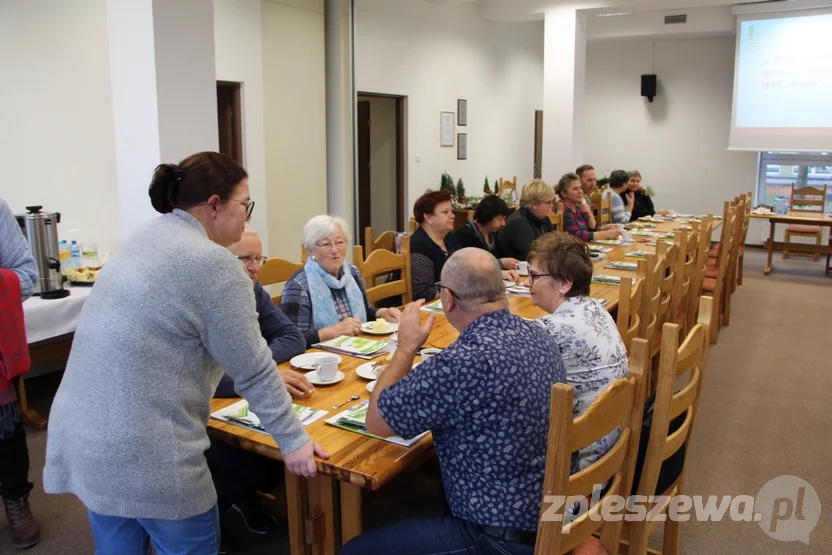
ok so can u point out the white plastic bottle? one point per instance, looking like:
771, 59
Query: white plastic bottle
75, 252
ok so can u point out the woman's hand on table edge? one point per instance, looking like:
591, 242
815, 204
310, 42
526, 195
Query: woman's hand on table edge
302, 461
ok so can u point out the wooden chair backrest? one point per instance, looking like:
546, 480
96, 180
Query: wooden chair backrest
384, 262
681, 283
630, 301
678, 363
670, 252
506, 184
386, 241
412, 225
652, 272
724, 261
277, 270
620, 406
602, 208
556, 216
808, 198
699, 268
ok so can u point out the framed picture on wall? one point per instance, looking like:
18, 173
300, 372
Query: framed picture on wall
446, 137
461, 112
462, 146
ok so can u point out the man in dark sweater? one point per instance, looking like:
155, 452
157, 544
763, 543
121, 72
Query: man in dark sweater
238, 475
284, 338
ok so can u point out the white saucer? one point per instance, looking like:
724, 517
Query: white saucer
366, 371
367, 327
306, 360
314, 378
371, 386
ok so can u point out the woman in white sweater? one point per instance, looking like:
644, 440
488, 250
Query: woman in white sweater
169, 312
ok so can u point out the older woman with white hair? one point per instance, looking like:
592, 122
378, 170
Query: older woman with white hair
326, 298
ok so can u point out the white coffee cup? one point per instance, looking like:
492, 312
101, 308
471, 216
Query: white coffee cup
327, 367
627, 237
427, 353
523, 268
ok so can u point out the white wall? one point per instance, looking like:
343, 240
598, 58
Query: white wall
294, 119
56, 125
679, 142
382, 163
435, 54
239, 58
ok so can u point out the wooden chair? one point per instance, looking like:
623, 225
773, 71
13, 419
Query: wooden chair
716, 286
619, 406
652, 272
382, 262
670, 253
732, 262
385, 241
277, 270
506, 184
601, 207
556, 217
699, 269
686, 362
630, 301
685, 262
741, 247
807, 199
412, 225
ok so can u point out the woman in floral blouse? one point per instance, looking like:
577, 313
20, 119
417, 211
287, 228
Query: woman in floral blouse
560, 273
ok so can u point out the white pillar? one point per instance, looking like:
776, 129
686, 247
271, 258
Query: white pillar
564, 83
336, 81
162, 77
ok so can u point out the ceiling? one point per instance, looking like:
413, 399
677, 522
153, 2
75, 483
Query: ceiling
532, 10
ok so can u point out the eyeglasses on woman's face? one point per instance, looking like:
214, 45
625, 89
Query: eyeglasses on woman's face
340, 243
249, 204
248, 259
534, 275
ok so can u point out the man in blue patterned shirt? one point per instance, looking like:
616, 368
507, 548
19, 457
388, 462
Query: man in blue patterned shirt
486, 400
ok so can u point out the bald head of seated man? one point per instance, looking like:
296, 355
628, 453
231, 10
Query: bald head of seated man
468, 396
284, 338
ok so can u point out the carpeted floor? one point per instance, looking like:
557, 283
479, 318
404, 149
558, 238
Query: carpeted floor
765, 413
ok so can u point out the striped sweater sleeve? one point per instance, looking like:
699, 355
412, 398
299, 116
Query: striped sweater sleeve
620, 214
575, 224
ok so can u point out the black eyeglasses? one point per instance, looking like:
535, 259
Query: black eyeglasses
246, 258
439, 285
534, 275
249, 207
249, 204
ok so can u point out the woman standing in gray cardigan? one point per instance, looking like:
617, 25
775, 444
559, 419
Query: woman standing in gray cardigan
169, 312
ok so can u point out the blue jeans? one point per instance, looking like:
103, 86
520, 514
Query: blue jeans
198, 535
432, 536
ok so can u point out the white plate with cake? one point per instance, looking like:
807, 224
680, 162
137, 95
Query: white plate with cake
380, 327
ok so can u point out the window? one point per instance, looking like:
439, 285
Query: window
779, 170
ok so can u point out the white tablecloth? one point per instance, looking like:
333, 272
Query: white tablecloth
53, 317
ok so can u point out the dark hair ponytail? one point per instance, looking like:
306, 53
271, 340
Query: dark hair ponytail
164, 187
193, 181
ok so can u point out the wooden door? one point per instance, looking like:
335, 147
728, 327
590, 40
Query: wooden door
230, 120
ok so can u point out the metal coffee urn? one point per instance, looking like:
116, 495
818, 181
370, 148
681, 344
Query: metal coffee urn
41, 229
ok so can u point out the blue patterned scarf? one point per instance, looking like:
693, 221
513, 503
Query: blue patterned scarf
321, 283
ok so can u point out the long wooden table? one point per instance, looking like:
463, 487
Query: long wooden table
794, 217
325, 512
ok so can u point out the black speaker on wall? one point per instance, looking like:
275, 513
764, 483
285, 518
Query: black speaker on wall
648, 86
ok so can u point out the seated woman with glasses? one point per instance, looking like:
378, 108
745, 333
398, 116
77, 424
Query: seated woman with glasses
432, 243
560, 273
326, 298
